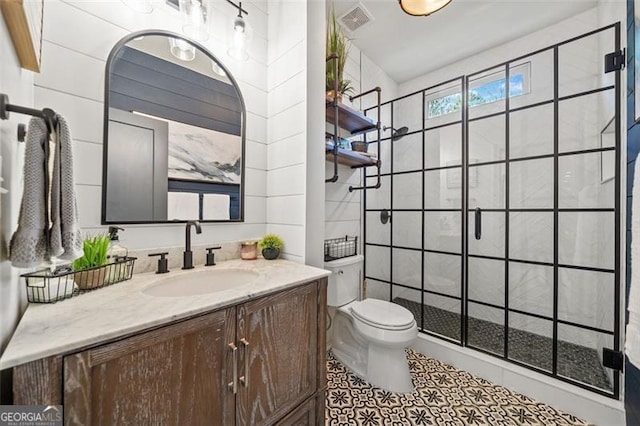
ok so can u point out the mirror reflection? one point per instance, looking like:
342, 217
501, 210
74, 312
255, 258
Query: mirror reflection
174, 134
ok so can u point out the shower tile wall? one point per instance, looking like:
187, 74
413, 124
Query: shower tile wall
585, 238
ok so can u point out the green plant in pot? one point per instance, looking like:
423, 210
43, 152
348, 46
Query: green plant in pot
88, 273
271, 245
337, 44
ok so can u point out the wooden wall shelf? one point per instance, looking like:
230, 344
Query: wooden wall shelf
350, 119
353, 159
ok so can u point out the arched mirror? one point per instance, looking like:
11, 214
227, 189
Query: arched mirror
174, 134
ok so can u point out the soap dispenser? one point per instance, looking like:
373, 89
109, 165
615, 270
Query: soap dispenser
116, 251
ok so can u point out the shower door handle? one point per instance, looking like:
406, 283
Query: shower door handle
478, 217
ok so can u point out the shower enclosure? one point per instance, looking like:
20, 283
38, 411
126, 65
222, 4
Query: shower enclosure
504, 199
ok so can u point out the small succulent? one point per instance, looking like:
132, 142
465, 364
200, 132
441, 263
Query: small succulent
95, 252
271, 241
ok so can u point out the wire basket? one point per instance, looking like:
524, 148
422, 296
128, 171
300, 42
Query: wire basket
48, 286
337, 248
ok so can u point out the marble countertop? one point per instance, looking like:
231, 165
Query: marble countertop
123, 308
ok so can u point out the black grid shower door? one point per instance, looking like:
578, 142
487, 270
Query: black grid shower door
504, 199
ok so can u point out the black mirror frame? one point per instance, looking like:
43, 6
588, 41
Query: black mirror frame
112, 54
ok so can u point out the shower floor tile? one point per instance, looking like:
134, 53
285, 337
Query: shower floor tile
442, 395
574, 361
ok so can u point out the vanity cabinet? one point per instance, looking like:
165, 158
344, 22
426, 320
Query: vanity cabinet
259, 362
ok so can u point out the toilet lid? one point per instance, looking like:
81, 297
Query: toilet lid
383, 314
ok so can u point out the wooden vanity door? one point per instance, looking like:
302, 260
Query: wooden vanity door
281, 333
175, 375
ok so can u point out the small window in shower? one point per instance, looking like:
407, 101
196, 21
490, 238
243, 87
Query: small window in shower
483, 90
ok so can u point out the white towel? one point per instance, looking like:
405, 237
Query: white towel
36, 240
215, 207
632, 344
183, 206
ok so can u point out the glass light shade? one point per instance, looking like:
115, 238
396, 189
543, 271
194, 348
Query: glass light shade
182, 49
140, 6
196, 15
422, 7
239, 38
218, 69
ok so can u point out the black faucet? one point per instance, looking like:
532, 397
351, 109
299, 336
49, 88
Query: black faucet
188, 254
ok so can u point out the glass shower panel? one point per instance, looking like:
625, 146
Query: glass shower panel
580, 66
531, 236
407, 153
486, 281
531, 132
443, 231
377, 233
492, 238
486, 186
407, 191
581, 183
582, 120
378, 263
407, 112
407, 267
487, 139
587, 239
580, 356
407, 227
531, 184
410, 299
531, 288
531, 341
381, 197
487, 92
443, 273
385, 154
443, 189
580, 297
485, 328
443, 146
442, 316
531, 80
443, 104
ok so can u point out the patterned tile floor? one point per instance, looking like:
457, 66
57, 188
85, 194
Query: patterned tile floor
577, 362
443, 395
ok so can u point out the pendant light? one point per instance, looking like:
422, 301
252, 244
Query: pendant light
239, 35
196, 15
422, 7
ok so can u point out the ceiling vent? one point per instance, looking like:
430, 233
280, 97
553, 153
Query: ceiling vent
355, 18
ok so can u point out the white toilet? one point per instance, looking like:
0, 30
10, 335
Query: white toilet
368, 336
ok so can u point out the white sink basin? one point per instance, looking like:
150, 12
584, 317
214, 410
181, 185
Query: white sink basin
201, 282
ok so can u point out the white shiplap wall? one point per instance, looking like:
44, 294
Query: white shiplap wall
78, 36
287, 125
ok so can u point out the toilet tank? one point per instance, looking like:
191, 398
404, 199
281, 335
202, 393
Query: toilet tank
344, 281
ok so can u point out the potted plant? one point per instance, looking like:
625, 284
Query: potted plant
337, 44
88, 272
271, 245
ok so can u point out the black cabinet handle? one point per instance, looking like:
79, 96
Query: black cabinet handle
478, 217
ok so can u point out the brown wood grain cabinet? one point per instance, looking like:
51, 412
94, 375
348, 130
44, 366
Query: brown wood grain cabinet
261, 362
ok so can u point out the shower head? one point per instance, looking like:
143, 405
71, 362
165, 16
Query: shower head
397, 133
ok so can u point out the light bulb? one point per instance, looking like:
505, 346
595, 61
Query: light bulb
238, 49
182, 49
196, 15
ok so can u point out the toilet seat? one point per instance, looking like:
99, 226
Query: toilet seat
382, 314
